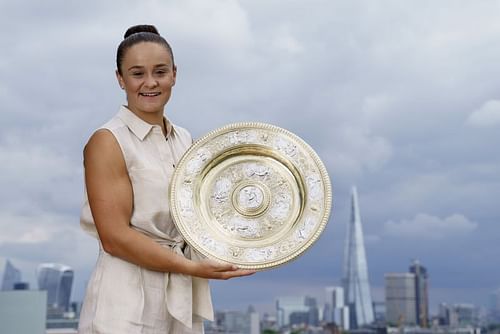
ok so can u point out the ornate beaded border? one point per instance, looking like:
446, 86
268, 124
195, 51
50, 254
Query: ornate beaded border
252, 125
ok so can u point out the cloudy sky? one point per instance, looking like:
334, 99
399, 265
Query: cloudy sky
401, 98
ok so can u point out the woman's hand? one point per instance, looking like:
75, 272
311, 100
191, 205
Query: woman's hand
217, 270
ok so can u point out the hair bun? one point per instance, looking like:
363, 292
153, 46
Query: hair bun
141, 28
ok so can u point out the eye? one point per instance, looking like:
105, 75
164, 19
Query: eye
137, 74
161, 72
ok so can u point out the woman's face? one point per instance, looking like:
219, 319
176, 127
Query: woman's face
148, 76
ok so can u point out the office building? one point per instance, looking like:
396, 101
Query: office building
296, 311
400, 299
379, 310
11, 276
355, 278
494, 307
335, 310
327, 313
269, 322
57, 280
421, 293
234, 322
458, 315
335, 296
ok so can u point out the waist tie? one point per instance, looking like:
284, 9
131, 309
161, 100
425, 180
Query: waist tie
186, 295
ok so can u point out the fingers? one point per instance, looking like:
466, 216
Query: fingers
223, 271
236, 273
223, 267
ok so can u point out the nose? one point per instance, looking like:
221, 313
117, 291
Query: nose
150, 81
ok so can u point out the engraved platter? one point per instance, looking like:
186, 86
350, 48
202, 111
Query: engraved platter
251, 194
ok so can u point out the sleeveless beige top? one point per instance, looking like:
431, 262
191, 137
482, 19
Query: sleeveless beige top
150, 159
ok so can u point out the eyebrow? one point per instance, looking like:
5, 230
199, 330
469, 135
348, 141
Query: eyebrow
141, 67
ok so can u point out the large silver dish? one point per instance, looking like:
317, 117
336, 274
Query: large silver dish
251, 194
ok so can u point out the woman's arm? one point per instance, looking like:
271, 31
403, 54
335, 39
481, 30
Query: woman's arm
110, 197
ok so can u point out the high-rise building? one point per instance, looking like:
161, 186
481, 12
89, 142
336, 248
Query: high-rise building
327, 313
335, 296
494, 307
356, 284
297, 310
335, 309
313, 315
379, 310
57, 279
231, 322
400, 299
421, 293
11, 276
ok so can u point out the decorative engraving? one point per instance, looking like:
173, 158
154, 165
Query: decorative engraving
250, 197
281, 206
254, 209
222, 187
243, 227
186, 202
286, 147
315, 186
259, 255
257, 169
194, 165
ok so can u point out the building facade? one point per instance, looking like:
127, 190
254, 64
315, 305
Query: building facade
335, 310
421, 293
400, 299
459, 315
296, 310
494, 307
355, 278
234, 322
57, 280
11, 276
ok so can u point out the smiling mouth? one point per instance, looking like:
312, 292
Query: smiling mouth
150, 94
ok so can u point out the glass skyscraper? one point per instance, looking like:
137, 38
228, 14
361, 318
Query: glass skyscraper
11, 276
355, 280
57, 279
421, 293
335, 309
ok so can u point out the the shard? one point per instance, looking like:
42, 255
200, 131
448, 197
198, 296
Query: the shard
355, 279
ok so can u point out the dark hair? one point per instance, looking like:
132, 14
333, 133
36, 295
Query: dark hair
137, 34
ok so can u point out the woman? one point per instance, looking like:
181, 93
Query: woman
146, 280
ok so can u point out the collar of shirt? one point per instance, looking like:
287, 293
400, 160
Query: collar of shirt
139, 127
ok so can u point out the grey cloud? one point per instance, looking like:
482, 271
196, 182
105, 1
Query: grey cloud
487, 115
424, 226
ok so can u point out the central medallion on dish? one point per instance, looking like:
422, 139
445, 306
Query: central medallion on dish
251, 198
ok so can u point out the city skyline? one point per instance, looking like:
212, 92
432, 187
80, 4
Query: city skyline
354, 264
400, 99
